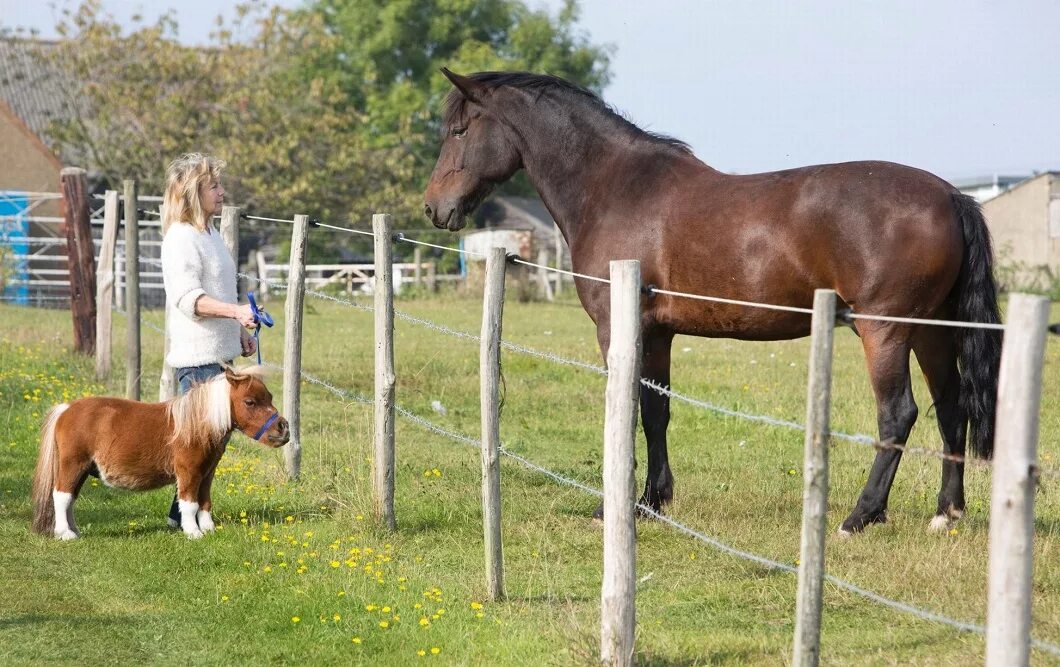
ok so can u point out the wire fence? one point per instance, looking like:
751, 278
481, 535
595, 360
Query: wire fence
663, 390
764, 561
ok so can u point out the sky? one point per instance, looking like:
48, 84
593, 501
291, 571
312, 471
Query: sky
962, 89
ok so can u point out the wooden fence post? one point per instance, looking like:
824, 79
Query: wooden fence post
167, 381
230, 235
489, 393
807, 649
543, 277
385, 377
105, 284
132, 293
263, 275
1015, 480
618, 593
81, 258
292, 346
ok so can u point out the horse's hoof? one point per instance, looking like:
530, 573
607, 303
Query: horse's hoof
939, 523
172, 523
66, 535
598, 515
205, 522
193, 534
844, 534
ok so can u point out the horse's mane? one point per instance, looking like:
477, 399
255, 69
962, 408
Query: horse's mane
546, 83
204, 414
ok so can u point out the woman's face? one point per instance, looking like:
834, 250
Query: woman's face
212, 195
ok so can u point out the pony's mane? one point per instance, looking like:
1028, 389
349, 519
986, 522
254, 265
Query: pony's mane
545, 84
203, 415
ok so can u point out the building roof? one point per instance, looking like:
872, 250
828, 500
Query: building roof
986, 181
33, 89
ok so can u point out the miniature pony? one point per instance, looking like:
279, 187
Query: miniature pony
143, 446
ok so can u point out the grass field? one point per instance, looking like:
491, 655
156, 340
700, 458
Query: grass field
298, 572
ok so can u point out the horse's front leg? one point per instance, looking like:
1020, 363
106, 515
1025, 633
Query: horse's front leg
655, 416
189, 482
203, 516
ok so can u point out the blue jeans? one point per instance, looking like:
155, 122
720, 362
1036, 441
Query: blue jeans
186, 378
192, 375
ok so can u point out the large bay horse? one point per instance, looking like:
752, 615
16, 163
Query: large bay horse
889, 239
142, 446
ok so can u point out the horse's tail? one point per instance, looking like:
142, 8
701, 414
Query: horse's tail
978, 350
44, 477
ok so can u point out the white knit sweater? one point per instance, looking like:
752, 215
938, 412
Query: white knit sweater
196, 263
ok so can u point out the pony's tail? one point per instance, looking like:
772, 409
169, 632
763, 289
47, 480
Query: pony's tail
44, 477
978, 350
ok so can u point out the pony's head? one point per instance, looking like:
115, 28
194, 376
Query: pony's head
477, 153
234, 400
251, 407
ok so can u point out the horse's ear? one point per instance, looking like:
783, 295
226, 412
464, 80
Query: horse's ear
232, 376
473, 90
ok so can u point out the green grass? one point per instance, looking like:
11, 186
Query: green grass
132, 591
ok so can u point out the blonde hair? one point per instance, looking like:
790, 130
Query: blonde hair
184, 180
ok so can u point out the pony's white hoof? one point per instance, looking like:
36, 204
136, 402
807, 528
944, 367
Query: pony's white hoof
939, 523
844, 534
66, 535
205, 522
172, 523
193, 534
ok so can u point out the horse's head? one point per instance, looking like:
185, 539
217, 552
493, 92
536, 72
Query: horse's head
477, 153
253, 411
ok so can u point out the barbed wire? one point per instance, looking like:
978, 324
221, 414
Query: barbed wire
923, 614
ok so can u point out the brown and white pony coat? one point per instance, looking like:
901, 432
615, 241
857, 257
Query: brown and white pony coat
143, 446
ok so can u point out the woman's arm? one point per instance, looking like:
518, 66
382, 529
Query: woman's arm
207, 306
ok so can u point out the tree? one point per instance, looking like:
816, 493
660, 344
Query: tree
329, 110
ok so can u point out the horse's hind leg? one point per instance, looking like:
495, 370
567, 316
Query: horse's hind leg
887, 354
70, 476
936, 351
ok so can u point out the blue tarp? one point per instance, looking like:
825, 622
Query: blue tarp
13, 233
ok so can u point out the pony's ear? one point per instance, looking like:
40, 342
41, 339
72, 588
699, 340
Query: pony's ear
232, 376
473, 90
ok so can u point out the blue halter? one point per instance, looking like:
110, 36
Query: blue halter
265, 427
260, 317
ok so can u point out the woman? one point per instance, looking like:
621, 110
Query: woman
206, 323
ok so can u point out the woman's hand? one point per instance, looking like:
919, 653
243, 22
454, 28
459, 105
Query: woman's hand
244, 315
247, 342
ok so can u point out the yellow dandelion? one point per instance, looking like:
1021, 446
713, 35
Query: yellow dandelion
421, 653
476, 605
335, 563
336, 618
224, 598
386, 610
435, 650
384, 624
295, 619
424, 622
356, 640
